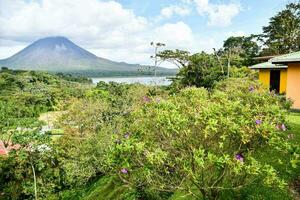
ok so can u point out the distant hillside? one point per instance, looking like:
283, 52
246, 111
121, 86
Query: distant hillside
59, 54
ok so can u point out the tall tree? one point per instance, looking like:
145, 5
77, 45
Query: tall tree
203, 70
177, 57
282, 35
241, 49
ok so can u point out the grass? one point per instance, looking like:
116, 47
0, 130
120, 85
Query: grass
105, 188
108, 188
258, 191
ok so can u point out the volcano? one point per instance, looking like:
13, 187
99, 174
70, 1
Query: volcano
59, 54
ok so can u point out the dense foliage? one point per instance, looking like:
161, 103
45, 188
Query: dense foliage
23, 97
140, 140
203, 70
241, 50
215, 133
203, 143
282, 35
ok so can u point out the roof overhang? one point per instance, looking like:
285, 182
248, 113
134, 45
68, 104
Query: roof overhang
287, 58
285, 62
268, 65
264, 58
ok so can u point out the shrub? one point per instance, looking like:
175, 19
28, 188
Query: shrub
89, 124
243, 72
202, 142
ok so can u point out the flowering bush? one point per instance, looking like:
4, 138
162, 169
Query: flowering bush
202, 142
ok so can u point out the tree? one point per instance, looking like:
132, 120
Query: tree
203, 70
282, 35
241, 49
29, 170
177, 57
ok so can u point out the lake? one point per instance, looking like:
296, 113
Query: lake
143, 80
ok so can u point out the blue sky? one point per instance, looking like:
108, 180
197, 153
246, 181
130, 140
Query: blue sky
121, 30
253, 15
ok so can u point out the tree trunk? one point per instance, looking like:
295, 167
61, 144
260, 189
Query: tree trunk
34, 179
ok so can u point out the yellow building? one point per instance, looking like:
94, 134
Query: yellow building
272, 76
282, 74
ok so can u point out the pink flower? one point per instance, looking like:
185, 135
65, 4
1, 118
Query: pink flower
258, 122
14, 147
124, 171
146, 99
283, 127
5, 150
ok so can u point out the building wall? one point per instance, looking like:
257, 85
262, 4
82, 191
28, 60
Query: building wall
293, 84
283, 81
264, 77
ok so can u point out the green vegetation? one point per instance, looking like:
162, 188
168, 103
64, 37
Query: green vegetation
140, 142
282, 35
209, 135
110, 188
23, 97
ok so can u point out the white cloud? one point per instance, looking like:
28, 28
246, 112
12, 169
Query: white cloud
220, 15
6, 51
178, 35
71, 18
105, 28
169, 11
10, 47
203, 6
186, 1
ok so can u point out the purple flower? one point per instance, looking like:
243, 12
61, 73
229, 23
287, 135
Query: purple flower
126, 135
251, 89
239, 157
124, 171
283, 127
146, 99
258, 122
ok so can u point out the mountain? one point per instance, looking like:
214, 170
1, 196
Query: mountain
59, 54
